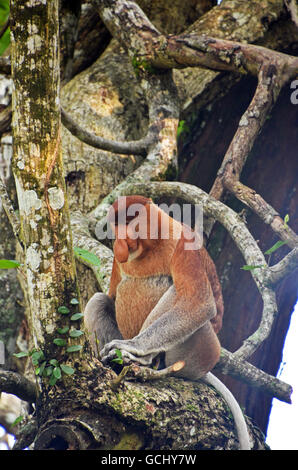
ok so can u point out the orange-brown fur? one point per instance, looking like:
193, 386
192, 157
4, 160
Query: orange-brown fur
163, 298
138, 284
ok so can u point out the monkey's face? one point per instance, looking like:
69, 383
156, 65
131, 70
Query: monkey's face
129, 220
126, 248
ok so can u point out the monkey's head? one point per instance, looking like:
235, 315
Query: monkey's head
129, 218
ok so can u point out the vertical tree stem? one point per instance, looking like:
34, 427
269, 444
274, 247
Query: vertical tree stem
38, 166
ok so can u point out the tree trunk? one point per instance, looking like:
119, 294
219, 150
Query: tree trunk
37, 164
97, 412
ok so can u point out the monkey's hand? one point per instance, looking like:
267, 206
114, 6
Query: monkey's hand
128, 352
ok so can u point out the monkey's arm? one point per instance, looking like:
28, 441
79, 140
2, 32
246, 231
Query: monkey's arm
182, 310
115, 279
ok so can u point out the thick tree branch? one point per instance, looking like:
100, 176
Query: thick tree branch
266, 212
138, 147
254, 377
229, 173
17, 384
128, 23
192, 50
249, 127
161, 161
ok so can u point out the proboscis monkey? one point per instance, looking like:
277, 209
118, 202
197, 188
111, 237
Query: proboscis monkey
164, 298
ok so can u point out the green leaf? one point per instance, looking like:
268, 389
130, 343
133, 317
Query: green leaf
5, 38
74, 348
182, 127
76, 316
53, 380
57, 372
286, 220
33, 350
49, 371
35, 362
54, 362
4, 11
64, 330
248, 267
67, 369
9, 264
36, 357
64, 310
4, 41
17, 420
275, 247
74, 301
42, 367
118, 353
118, 359
59, 342
76, 333
21, 354
87, 256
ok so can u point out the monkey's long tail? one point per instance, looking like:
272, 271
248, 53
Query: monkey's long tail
240, 423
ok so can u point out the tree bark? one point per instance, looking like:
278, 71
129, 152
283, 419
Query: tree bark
38, 171
168, 414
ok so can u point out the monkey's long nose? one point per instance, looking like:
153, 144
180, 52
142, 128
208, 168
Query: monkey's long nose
121, 250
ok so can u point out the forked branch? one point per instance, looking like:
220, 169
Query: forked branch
129, 24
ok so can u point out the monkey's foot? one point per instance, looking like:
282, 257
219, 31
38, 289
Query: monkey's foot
124, 349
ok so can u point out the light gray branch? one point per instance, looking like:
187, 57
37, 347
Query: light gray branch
137, 147
254, 377
284, 268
